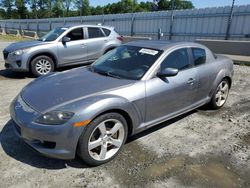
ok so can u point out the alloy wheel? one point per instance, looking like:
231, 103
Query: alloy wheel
106, 139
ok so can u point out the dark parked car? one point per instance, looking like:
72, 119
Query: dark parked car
62, 46
92, 110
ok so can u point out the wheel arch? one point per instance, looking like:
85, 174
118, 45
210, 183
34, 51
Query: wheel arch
49, 54
221, 75
126, 116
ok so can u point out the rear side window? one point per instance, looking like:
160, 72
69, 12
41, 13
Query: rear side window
178, 59
95, 32
76, 34
199, 56
106, 31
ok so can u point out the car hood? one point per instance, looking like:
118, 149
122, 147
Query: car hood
57, 89
23, 45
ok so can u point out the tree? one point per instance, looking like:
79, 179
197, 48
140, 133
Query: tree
178, 4
8, 5
83, 7
66, 5
21, 9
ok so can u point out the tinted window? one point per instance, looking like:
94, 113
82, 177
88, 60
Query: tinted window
129, 62
178, 59
95, 32
76, 34
106, 31
199, 56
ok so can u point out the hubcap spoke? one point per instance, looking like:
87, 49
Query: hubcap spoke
103, 151
116, 142
95, 144
102, 128
115, 128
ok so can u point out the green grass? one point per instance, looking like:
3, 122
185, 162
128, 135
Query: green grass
12, 38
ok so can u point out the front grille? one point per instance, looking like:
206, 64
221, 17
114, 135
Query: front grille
5, 54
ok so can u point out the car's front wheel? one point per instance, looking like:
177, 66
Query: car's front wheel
42, 65
102, 139
220, 96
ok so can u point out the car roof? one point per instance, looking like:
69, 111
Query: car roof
161, 44
89, 25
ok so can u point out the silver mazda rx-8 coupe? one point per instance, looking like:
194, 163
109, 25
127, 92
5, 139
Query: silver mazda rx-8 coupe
91, 111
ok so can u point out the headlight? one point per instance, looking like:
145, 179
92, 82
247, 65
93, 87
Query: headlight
19, 52
54, 118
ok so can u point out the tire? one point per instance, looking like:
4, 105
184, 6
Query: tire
97, 138
220, 95
42, 65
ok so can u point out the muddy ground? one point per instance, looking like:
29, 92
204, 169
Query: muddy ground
200, 149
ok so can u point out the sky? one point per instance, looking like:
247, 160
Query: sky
196, 3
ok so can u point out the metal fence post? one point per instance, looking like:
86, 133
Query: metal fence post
37, 27
171, 27
50, 23
171, 21
229, 21
28, 26
132, 25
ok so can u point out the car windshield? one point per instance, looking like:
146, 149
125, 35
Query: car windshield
53, 34
127, 62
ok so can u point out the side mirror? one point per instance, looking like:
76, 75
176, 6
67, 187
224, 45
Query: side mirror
65, 39
168, 72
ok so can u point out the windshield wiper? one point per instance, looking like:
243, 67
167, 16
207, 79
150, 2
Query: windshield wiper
105, 73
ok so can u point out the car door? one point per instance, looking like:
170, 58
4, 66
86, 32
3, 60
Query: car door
95, 43
205, 72
171, 95
75, 50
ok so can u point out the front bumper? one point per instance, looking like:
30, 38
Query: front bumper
16, 63
57, 141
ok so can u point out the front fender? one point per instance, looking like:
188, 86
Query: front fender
91, 107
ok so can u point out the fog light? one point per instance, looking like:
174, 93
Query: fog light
19, 63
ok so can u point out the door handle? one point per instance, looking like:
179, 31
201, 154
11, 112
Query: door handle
190, 81
83, 45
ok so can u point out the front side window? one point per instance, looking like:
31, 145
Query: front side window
95, 32
199, 56
75, 34
127, 62
178, 59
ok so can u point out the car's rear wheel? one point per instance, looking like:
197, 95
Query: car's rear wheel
42, 65
220, 96
102, 139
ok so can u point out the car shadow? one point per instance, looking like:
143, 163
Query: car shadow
5, 73
158, 127
19, 150
14, 75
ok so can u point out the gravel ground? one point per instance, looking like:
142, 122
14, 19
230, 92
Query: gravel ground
200, 149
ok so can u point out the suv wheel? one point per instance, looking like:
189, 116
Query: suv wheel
102, 139
42, 65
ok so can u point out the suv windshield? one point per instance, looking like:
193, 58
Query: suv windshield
53, 34
129, 62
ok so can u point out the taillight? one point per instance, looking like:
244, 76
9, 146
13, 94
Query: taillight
120, 38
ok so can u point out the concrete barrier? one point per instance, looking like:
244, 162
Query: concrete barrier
14, 32
132, 38
29, 34
2, 31
231, 47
